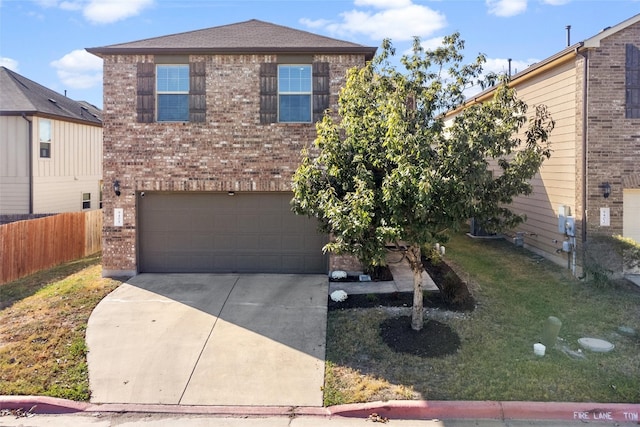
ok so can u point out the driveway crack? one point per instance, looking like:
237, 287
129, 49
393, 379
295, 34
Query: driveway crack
195, 365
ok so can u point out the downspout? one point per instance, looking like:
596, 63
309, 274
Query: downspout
30, 145
585, 118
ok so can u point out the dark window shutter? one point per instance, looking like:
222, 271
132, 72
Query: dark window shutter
632, 82
321, 89
268, 93
197, 92
145, 99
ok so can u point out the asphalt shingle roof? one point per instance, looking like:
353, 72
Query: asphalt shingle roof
251, 36
20, 95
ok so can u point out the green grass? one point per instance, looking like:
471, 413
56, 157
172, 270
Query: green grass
42, 330
516, 292
43, 321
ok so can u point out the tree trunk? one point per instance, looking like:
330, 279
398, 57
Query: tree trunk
417, 311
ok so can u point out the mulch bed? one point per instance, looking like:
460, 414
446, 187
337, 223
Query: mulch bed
435, 339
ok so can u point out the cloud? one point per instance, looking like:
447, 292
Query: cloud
71, 5
501, 65
506, 8
109, 11
9, 63
399, 20
79, 69
100, 11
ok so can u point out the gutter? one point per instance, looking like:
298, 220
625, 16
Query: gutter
30, 145
585, 141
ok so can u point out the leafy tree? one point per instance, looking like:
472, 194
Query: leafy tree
390, 170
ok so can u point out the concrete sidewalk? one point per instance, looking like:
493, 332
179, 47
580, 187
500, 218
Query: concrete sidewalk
207, 339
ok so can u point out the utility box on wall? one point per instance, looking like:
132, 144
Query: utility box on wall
563, 213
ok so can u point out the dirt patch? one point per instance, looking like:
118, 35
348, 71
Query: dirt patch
435, 339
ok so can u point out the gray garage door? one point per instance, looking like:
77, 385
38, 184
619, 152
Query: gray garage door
219, 233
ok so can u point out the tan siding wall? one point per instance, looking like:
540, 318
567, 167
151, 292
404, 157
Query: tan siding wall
14, 165
75, 167
555, 184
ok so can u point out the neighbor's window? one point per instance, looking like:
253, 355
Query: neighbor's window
86, 200
632, 81
45, 138
100, 201
294, 93
172, 89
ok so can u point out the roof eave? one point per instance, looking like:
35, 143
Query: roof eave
524, 75
35, 113
368, 52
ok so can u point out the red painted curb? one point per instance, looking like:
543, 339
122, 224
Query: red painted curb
561, 411
421, 410
587, 411
42, 404
395, 409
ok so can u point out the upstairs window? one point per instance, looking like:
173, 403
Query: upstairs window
167, 92
294, 93
45, 138
172, 89
632, 82
86, 200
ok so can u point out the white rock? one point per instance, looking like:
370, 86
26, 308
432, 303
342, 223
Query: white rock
338, 274
338, 296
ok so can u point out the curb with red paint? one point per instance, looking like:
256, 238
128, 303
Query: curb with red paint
396, 409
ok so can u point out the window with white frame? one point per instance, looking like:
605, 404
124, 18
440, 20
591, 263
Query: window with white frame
44, 130
86, 200
294, 93
172, 90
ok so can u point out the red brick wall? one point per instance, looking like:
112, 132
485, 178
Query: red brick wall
230, 151
613, 141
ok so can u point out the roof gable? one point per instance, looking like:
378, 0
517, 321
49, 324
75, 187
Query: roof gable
21, 95
595, 40
251, 36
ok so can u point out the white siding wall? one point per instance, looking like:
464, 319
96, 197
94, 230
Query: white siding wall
75, 167
14, 165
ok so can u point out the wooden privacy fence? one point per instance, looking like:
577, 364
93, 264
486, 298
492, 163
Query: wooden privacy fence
30, 246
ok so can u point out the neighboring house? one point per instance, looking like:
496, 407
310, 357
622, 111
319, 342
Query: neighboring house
592, 90
50, 150
202, 133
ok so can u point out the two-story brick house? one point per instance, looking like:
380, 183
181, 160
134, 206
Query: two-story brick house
592, 89
202, 133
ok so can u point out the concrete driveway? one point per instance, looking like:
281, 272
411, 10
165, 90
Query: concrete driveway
210, 339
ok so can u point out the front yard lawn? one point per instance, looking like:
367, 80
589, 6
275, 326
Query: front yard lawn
516, 291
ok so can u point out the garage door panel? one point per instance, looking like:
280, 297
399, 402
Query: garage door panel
213, 232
